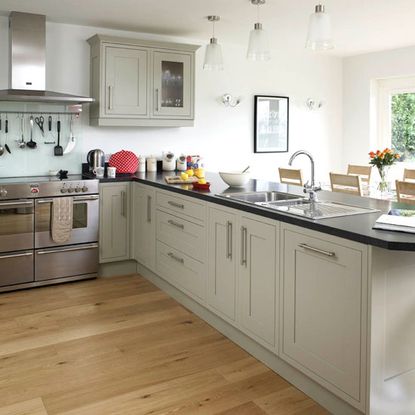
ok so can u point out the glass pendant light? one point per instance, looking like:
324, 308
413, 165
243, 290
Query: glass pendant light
319, 30
258, 46
213, 55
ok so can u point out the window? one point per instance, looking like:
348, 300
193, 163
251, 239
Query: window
396, 116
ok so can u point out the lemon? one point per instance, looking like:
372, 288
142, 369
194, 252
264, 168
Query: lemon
190, 172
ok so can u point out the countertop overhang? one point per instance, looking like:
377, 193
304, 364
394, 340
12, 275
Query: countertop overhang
356, 228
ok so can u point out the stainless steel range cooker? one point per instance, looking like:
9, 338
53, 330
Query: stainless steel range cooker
28, 255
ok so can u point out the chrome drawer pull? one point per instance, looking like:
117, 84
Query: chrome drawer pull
244, 247
78, 248
317, 250
176, 258
16, 255
177, 225
177, 205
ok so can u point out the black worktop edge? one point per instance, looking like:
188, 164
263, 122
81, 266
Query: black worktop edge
257, 210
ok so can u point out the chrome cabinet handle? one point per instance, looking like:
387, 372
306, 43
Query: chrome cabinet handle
317, 250
177, 225
23, 203
78, 248
123, 204
177, 205
16, 255
176, 258
157, 100
76, 199
244, 247
149, 209
109, 97
229, 240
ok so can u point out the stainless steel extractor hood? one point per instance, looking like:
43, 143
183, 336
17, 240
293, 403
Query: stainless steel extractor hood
27, 37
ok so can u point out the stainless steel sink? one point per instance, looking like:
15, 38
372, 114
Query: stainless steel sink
318, 210
297, 205
261, 197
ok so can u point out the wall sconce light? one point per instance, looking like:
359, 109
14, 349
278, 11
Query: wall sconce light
313, 105
230, 101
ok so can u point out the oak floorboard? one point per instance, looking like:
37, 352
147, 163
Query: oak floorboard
120, 346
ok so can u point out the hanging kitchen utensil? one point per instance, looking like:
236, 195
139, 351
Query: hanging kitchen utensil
6, 130
58, 149
72, 141
31, 144
1, 147
50, 123
21, 142
40, 121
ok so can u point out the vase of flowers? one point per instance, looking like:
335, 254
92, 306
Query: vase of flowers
383, 160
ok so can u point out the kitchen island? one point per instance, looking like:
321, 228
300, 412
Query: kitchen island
328, 304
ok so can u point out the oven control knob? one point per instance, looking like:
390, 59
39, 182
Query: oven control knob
64, 190
3, 192
84, 189
77, 189
70, 190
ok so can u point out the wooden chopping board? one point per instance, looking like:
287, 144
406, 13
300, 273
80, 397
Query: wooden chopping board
179, 180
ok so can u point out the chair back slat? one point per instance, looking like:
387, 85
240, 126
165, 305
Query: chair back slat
405, 192
291, 176
363, 171
345, 183
408, 174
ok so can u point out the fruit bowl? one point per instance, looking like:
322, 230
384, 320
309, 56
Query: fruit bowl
235, 179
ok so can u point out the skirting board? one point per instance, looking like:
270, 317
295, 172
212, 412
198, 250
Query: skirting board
112, 269
325, 398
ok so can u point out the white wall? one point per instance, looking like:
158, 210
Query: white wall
223, 136
359, 74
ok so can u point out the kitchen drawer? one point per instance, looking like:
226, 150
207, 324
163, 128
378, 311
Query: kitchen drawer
180, 270
181, 205
186, 236
67, 261
16, 268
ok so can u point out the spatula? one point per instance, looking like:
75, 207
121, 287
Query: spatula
58, 149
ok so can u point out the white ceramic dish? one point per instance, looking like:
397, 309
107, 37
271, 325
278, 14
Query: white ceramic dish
235, 179
53, 172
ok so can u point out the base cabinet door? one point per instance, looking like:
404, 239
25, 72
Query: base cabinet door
258, 279
114, 222
222, 263
143, 221
323, 297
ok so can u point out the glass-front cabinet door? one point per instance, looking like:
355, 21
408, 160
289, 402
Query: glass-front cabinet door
173, 84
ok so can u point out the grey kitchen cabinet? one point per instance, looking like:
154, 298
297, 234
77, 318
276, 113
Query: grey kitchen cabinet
222, 261
258, 279
114, 222
143, 238
324, 293
141, 83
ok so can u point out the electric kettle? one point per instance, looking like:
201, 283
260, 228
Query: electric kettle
95, 159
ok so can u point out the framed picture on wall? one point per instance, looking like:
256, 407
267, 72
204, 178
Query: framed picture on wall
271, 124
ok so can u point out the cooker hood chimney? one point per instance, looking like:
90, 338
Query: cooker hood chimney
27, 38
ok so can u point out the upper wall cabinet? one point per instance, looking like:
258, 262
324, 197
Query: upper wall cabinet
141, 83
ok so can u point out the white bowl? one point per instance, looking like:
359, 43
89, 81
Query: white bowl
53, 172
235, 179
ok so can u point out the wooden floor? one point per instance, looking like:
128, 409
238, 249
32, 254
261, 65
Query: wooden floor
122, 346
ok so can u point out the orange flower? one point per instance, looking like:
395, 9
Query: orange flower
397, 156
372, 154
378, 153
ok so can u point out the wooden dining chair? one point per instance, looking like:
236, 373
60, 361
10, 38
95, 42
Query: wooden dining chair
291, 176
363, 171
405, 192
408, 174
346, 183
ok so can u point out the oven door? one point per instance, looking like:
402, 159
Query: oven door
85, 221
66, 261
16, 268
16, 225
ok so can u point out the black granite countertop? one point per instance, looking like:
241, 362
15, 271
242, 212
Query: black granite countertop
356, 228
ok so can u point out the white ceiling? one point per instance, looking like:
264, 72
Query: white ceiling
359, 25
